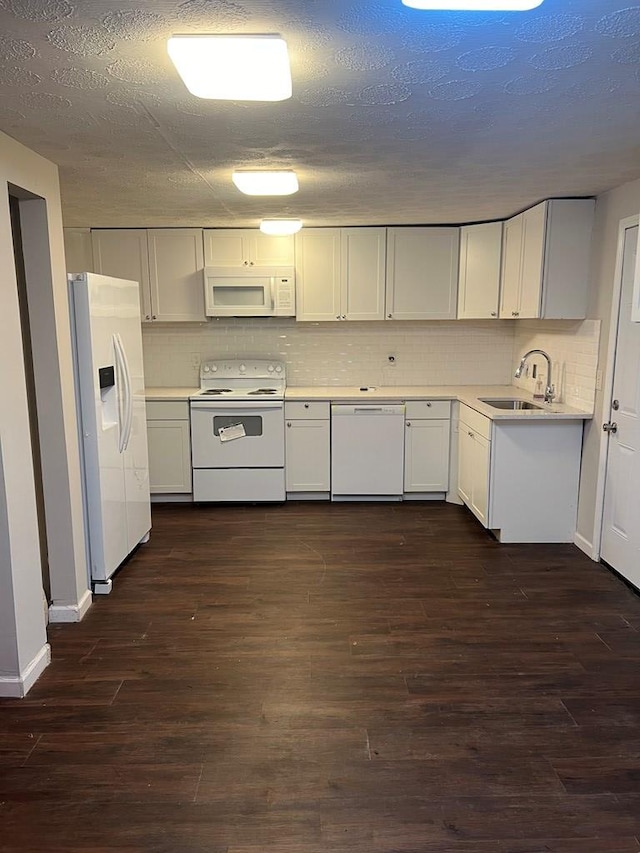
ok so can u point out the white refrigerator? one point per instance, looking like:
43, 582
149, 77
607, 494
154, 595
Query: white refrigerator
107, 338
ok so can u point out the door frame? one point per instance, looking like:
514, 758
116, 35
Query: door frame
607, 389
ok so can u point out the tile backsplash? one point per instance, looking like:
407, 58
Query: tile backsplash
573, 348
353, 353
356, 353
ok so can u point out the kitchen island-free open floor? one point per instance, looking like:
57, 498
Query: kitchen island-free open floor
328, 677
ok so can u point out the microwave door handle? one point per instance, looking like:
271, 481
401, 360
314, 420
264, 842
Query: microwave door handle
270, 295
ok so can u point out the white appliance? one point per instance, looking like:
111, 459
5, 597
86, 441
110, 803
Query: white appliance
237, 431
107, 340
250, 291
367, 451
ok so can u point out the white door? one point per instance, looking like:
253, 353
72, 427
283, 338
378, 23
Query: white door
512, 267
307, 464
533, 249
226, 247
621, 524
481, 457
123, 253
480, 261
426, 456
363, 272
169, 456
176, 271
268, 251
465, 463
318, 274
422, 273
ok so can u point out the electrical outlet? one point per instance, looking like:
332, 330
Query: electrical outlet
391, 360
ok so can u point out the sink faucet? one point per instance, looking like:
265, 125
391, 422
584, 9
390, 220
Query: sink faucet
549, 391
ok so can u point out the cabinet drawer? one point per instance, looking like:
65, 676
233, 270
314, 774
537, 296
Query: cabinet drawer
167, 410
475, 421
306, 411
428, 409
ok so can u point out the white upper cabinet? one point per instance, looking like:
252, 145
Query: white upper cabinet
123, 253
243, 247
78, 250
363, 256
340, 273
176, 263
480, 266
318, 284
422, 273
545, 270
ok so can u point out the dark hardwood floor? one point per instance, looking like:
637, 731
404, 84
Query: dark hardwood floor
331, 678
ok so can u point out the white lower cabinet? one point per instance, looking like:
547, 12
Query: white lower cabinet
520, 477
307, 449
426, 447
169, 447
474, 459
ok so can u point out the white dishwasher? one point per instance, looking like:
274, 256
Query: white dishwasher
367, 451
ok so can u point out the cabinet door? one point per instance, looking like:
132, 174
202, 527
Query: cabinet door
123, 253
465, 463
226, 247
480, 267
176, 262
363, 271
533, 244
268, 251
307, 463
422, 273
78, 250
512, 268
426, 456
169, 457
318, 274
481, 457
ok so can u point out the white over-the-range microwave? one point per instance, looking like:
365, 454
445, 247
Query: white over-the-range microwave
251, 292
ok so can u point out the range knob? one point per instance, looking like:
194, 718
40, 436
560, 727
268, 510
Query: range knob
207, 368
243, 368
214, 368
279, 369
270, 368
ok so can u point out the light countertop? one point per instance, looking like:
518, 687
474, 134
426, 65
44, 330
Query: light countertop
468, 394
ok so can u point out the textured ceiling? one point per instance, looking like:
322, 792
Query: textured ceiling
398, 116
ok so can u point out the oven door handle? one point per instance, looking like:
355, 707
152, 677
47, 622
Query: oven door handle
232, 409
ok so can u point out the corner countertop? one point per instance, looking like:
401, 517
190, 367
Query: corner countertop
470, 395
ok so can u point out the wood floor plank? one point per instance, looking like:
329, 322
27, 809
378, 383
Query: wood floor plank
324, 678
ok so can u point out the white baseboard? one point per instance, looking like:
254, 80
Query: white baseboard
71, 612
585, 546
171, 499
17, 686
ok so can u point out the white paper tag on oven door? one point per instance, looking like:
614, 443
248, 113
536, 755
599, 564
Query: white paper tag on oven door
231, 432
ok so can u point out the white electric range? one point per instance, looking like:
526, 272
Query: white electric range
237, 431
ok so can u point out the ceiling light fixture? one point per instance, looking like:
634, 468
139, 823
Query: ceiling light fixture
475, 5
233, 67
280, 227
284, 182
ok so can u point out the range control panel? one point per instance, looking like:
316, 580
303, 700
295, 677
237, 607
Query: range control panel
241, 369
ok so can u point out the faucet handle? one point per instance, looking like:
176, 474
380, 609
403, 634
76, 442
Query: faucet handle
550, 393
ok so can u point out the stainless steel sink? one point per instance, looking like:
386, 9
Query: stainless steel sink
511, 404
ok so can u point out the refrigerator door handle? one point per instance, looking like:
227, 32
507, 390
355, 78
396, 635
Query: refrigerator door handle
129, 395
121, 392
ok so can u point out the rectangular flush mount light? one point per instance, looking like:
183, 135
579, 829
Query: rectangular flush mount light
233, 67
475, 5
284, 182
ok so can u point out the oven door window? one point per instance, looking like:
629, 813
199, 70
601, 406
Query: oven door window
252, 423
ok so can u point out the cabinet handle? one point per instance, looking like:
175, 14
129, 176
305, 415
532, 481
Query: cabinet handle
338, 317
494, 313
390, 316
245, 263
148, 317
408, 423
344, 316
250, 263
470, 434
306, 405
154, 317
515, 313
289, 424
428, 404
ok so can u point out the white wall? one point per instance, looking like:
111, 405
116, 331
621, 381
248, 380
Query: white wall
427, 353
23, 635
611, 207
